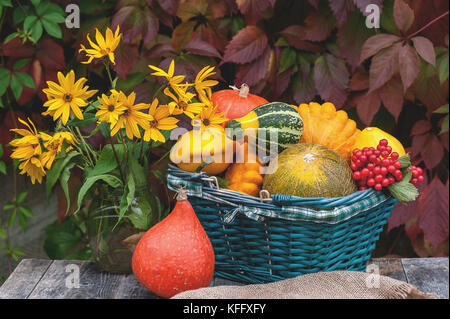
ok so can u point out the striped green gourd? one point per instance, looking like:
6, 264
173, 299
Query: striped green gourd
274, 116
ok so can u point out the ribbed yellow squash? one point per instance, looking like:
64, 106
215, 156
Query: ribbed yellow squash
325, 126
371, 136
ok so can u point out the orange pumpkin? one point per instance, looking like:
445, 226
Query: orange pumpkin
325, 126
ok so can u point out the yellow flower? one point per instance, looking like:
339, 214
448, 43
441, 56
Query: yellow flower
110, 108
132, 118
161, 121
202, 86
30, 143
66, 96
105, 45
174, 81
34, 168
182, 103
210, 118
54, 145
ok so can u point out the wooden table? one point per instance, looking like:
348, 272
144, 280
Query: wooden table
52, 279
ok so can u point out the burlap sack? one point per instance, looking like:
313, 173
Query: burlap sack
324, 285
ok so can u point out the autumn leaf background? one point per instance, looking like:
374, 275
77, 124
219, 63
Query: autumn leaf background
394, 77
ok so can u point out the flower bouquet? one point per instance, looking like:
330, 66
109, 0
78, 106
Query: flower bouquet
114, 204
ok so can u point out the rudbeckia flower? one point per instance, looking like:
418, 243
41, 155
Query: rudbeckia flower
161, 121
105, 46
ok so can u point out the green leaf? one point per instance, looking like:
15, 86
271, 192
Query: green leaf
12, 218
5, 3
21, 197
443, 69
107, 162
1, 150
288, 59
2, 233
141, 214
105, 129
4, 80
8, 206
11, 36
111, 180
2, 168
52, 29
127, 197
26, 211
89, 119
442, 110
36, 31
36, 2
16, 86
54, 173
54, 17
64, 182
29, 22
403, 190
138, 172
20, 63
405, 160
444, 127
25, 79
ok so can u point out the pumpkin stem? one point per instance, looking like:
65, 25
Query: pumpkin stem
243, 91
181, 194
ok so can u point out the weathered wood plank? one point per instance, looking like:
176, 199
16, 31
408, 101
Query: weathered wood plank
24, 278
390, 267
130, 288
428, 274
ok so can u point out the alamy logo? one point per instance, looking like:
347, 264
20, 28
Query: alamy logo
73, 17
373, 16
73, 279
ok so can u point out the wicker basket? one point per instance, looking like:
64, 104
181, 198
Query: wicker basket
259, 240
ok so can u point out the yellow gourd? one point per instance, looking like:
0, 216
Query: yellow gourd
325, 126
189, 151
371, 136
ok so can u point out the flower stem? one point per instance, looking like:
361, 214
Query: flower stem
113, 86
118, 162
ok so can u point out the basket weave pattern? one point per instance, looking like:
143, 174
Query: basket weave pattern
277, 245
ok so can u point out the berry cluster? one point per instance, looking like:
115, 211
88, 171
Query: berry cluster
417, 176
376, 168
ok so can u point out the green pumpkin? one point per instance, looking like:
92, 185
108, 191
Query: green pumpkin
310, 170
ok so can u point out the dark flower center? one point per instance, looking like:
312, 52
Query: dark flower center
110, 107
153, 124
67, 97
206, 122
183, 105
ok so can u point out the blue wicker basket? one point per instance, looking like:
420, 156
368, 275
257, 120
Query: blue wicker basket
260, 240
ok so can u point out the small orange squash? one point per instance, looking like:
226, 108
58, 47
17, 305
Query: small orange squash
325, 126
245, 177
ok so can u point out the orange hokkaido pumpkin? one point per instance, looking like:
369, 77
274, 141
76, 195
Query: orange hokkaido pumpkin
236, 103
323, 125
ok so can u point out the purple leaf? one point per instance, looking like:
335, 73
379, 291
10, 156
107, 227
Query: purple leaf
409, 64
247, 45
425, 49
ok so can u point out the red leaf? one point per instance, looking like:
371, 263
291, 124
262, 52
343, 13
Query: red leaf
253, 10
15, 48
351, 37
319, 25
253, 72
126, 58
376, 43
170, 6
281, 83
409, 64
425, 49
331, 79
433, 212
384, 65
391, 95
341, 9
421, 127
367, 106
182, 34
360, 80
403, 213
429, 91
247, 45
136, 23
51, 55
294, 35
432, 151
362, 5
197, 46
303, 90
314, 3
403, 15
